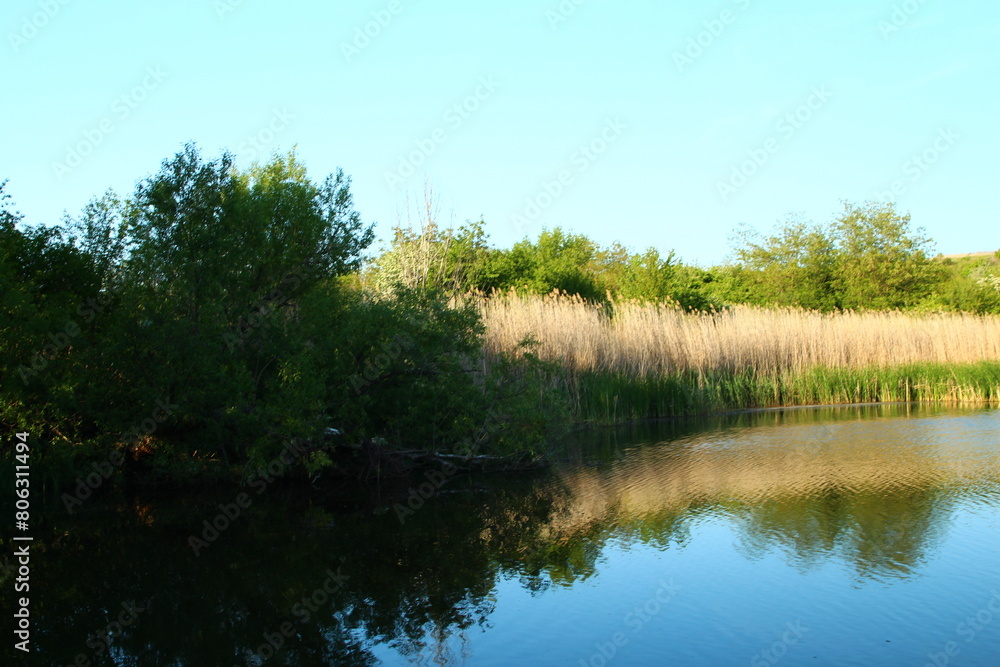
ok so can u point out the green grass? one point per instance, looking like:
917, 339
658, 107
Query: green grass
610, 398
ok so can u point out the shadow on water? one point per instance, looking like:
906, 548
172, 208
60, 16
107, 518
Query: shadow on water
325, 578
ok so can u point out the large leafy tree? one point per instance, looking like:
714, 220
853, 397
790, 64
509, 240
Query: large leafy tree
45, 286
208, 266
213, 318
558, 260
869, 257
796, 265
206, 233
883, 261
645, 276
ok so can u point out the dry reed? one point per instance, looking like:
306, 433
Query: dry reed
644, 340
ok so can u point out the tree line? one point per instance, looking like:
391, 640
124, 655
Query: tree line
216, 314
869, 257
226, 295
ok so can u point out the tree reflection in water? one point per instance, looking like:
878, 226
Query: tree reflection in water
793, 484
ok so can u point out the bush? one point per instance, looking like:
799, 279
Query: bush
223, 324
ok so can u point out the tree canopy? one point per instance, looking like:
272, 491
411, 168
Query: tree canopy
869, 257
209, 316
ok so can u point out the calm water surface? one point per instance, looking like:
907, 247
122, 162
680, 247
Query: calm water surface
849, 536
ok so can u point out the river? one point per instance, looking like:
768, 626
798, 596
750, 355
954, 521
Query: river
864, 535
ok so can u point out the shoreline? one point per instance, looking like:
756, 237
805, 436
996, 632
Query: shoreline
379, 463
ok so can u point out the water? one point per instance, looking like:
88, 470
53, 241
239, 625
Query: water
850, 536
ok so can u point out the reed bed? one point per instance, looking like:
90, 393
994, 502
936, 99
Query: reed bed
633, 360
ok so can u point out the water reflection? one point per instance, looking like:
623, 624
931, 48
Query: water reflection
870, 489
874, 494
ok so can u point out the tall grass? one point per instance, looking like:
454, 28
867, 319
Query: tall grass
632, 360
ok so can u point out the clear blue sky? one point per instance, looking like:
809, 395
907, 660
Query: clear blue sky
683, 93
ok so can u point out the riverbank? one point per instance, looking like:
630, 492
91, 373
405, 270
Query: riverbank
866, 510
613, 398
545, 366
592, 400
631, 360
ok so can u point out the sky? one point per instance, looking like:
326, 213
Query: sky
664, 124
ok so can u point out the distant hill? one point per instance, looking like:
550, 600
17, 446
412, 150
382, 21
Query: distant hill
968, 254
963, 258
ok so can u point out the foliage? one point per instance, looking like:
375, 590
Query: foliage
217, 315
972, 284
461, 261
645, 276
47, 286
882, 262
434, 260
867, 258
213, 322
557, 261
794, 266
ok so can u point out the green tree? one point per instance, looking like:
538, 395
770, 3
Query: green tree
972, 284
435, 259
795, 266
221, 295
646, 276
882, 261
102, 232
869, 257
206, 266
693, 288
45, 286
556, 261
